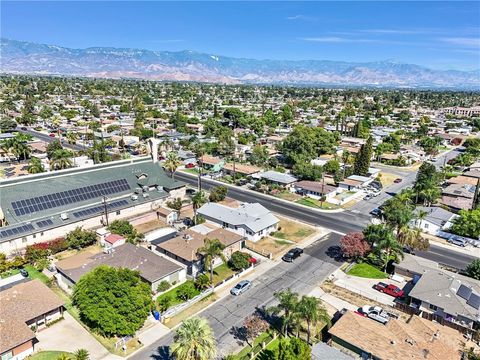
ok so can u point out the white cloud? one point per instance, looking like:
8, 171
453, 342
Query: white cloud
300, 18
336, 39
463, 41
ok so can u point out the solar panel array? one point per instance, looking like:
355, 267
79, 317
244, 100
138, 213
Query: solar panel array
40, 203
474, 301
464, 292
99, 209
44, 223
16, 230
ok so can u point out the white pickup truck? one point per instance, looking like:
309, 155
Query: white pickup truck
376, 313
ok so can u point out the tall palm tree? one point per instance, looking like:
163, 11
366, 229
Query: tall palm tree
197, 201
61, 159
81, 354
420, 215
199, 151
193, 340
211, 250
71, 137
387, 247
430, 195
35, 166
172, 163
287, 302
412, 238
312, 311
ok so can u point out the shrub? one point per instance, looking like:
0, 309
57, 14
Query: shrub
164, 303
79, 238
125, 229
218, 193
239, 260
163, 286
202, 281
186, 291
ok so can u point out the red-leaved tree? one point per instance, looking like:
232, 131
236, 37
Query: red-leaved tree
354, 245
254, 325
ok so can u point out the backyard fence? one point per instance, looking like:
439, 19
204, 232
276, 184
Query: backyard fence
180, 307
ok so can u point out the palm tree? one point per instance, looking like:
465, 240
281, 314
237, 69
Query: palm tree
72, 137
35, 166
172, 163
287, 302
61, 159
312, 311
199, 151
63, 356
210, 251
197, 201
431, 195
193, 340
412, 238
387, 247
420, 215
81, 354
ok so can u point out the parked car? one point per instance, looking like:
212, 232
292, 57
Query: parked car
455, 240
52, 135
241, 287
389, 289
376, 313
190, 191
190, 166
376, 212
292, 254
24, 272
397, 180
367, 197
23, 128
188, 222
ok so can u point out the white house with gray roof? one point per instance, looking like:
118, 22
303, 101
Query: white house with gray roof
436, 220
252, 221
276, 177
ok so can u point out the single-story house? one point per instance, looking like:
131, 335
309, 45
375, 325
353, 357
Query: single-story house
184, 247
355, 182
472, 173
457, 203
153, 268
462, 180
315, 189
458, 190
243, 169
167, 215
448, 296
251, 220
276, 177
436, 220
398, 339
24, 309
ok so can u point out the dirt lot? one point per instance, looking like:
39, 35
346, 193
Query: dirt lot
150, 226
387, 179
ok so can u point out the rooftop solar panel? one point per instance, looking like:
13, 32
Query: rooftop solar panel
464, 292
474, 301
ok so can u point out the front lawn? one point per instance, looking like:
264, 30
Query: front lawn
220, 273
287, 195
49, 355
316, 204
32, 273
367, 271
173, 295
292, 230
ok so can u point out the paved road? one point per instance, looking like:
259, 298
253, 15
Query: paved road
49, 139
227, 314
341, 222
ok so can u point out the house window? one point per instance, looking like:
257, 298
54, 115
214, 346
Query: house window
425, 226
249, 232
24, 239
224, 224
7, 356
41, 234
432, 307
34, 236
118, 212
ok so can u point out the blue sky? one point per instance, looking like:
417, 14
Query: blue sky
441, 35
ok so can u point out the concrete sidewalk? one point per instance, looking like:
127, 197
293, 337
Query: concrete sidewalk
467, 250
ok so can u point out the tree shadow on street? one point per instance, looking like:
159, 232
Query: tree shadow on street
163, 353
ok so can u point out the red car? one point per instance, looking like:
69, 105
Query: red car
397, 181
190, 165
52, 135
389, 289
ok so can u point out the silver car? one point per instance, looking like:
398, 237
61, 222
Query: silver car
241, 287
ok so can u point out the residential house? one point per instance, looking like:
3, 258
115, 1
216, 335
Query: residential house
436, 220
153, 268
184, 248
462, 180
112, 241
275, 177
315, 189
242, 169
251, 220
355, 182
25, 308
458, 196
417, 339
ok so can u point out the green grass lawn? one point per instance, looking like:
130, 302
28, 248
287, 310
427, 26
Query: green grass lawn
316, 204
32, 273
49, 355
244, 353
221, 272
367, 271
287, 195
173, 296
191, 171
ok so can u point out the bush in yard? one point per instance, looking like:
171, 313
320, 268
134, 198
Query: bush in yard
125, 229
36, 254
79, 238
354, 245
164, 303
113, 302
163, 286
202, 281
239, 260
473, 269
218, 193
186, 291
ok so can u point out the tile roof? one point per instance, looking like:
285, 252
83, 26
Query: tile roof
466, 191
20, 304
113, 238
151, 266
420, 339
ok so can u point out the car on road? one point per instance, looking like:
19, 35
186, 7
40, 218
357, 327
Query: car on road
397, 180
24, 272
455, 240
389, 289
52, 135
241, 287
367, 197
23, 128
376, 212
292, 254
190, 166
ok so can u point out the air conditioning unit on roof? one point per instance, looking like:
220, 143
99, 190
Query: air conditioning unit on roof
64, 216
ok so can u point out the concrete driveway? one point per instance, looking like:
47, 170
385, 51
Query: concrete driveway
69, 335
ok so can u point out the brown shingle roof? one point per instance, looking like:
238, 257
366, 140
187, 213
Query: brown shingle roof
152, 267
20, 304
463, 180
316, 186
242, 168
186, 245
399, 340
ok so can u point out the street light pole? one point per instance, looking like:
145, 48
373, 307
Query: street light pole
105, 208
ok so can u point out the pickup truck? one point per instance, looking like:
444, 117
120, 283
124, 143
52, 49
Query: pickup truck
389, 289
376, 313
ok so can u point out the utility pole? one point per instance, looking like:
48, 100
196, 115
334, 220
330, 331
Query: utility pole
105, 207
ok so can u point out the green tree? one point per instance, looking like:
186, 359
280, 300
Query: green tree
312, 311
81, 354
239, 260
202, 281
218, 193
125, 229
7, 125
300, 349
35, 166
172, 163
362, 160
79, 238
467, 224
211, 250
473, 269
285, 352
259, 155
96, 296
193, 340
198, 200
287, 303
384, 243
72, 137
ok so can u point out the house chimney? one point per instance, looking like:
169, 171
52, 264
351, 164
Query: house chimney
153, 147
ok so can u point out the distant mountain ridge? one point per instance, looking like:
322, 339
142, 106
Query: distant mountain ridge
20, 57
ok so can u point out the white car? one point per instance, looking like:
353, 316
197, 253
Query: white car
241, 287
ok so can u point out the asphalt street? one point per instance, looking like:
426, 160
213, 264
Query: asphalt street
226, 316
49, 139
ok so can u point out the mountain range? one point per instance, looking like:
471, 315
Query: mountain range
19, 57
